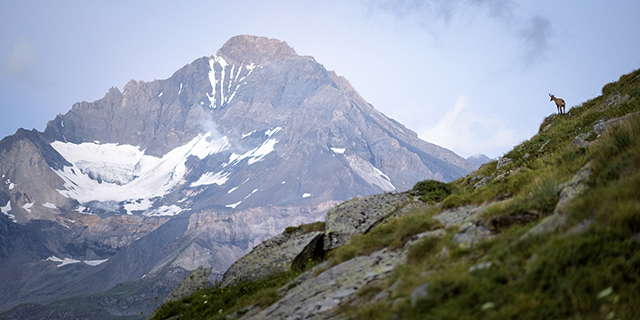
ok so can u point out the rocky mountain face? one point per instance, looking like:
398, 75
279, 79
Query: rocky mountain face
192, 171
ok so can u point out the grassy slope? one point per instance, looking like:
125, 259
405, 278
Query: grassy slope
590, 275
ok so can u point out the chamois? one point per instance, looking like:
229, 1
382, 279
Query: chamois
559, 103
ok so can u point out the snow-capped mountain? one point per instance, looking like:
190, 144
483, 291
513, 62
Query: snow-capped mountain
194, 170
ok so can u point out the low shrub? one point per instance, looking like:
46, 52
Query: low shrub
432, 191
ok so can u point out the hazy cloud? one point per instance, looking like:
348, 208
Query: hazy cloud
20, 61
425, 11
534, 31
467, 133
536, 35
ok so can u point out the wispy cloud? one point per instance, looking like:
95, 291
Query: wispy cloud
536, 35
20, 61
535, 32
467, 133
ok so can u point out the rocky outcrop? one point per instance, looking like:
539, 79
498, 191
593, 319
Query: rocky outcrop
568, 191
195, 281
271, 257
358, 215
318, 297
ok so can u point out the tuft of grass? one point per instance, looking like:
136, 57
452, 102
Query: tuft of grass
306, 228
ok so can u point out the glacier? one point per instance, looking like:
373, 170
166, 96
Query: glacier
124, 173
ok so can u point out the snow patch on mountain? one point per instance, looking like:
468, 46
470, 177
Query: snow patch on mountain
254, 155
171, 210
370, 173
6, 210
49, 205
94, 263
244, 135
272, 131
208, 178
10, 184
63, 262
252, 192
233, 205
232, 74
27, 207
112, 172
66, 261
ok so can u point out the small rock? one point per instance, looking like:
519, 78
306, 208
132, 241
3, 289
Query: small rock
461, 215
480, 266
380, 296
503, 161
573, 187
472, 236
394, 287
439, 233
603, 124
419, 293
580, 142
398, 302
604, 293
615, 100
579, 228
482, 182
548, 224
488, 305
444, 253
544, 145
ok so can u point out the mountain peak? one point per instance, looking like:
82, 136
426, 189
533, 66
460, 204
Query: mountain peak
247, 49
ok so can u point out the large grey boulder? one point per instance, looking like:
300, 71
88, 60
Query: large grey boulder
319, 297
273, 256
358, 215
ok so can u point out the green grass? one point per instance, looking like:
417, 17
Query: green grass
306, 228
216, 303
562, 282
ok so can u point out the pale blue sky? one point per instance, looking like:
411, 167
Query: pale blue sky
470, 75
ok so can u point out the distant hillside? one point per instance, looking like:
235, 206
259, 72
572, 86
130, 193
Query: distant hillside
549, 231
478, 160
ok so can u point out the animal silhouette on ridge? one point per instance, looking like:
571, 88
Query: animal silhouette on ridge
559, 103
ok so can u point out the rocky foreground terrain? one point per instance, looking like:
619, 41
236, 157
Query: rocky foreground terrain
549, 231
